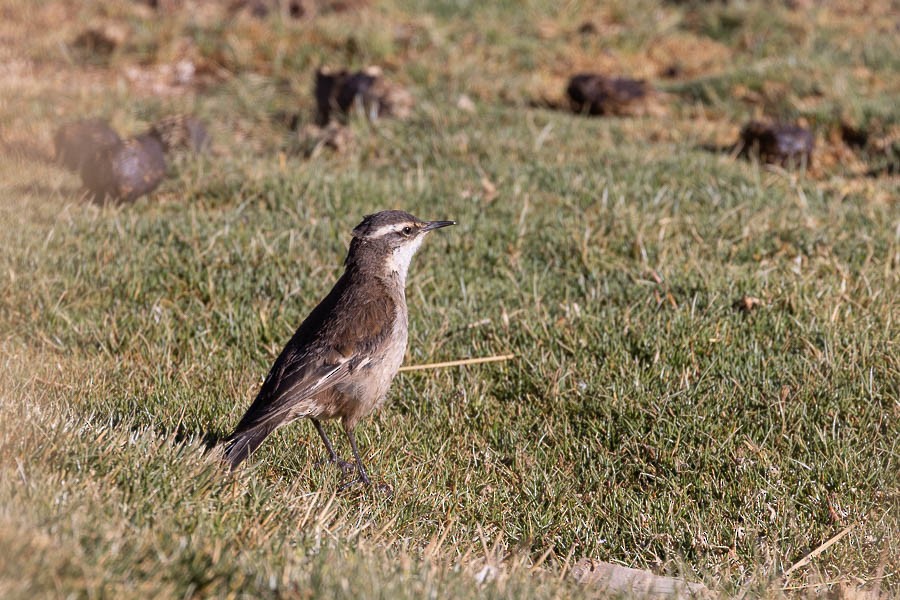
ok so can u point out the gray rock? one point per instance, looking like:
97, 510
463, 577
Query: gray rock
127, 171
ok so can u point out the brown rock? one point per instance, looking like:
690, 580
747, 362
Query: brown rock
126, 171
777, 143
594, 94
75, 142
100, 41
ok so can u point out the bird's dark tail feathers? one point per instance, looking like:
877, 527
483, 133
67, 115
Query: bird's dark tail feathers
241, 444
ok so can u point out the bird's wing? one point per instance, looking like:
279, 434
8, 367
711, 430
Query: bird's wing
314, 361
288, 384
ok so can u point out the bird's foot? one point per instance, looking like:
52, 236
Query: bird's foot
361, 479
381, 488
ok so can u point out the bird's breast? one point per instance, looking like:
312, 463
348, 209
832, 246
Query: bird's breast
396, 350
369, 386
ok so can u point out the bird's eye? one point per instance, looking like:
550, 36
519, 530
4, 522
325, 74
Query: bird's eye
407, 230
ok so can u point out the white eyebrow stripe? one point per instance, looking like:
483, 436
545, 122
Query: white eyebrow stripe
385, 229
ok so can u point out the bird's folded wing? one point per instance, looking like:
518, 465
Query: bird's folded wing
306, 369
281, 394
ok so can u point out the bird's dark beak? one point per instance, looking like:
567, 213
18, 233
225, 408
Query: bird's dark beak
437, 225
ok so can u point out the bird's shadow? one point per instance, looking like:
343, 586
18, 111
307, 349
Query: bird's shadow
185, 435
210, 439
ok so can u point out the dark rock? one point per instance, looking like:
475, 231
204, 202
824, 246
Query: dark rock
587, 28
75, 142
594, 94
777, 143
181, 132
296, 9
99, 42
336, 92
160, 5
261, 9
672, 71
855, 137
126, 171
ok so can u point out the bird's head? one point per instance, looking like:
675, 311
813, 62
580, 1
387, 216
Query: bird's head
388, 240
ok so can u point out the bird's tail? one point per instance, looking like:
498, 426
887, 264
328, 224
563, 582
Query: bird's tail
241, 444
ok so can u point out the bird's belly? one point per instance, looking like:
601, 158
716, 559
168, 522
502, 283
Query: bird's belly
366, 390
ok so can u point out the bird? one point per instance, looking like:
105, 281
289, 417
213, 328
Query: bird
340, 362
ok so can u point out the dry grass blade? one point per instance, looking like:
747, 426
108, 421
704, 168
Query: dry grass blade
458, 363
819, 550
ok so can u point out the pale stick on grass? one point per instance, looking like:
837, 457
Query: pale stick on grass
458, 363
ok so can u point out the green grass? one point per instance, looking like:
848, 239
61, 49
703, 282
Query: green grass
644, 420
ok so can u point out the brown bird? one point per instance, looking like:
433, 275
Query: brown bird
342, 358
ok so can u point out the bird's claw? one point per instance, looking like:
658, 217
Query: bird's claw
381, 488
363, 480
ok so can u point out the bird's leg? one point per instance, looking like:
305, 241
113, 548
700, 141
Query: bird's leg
363, 476
343, 465
332, 455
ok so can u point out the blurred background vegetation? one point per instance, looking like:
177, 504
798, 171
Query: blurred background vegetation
706, 378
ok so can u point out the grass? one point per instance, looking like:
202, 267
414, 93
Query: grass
645, 420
